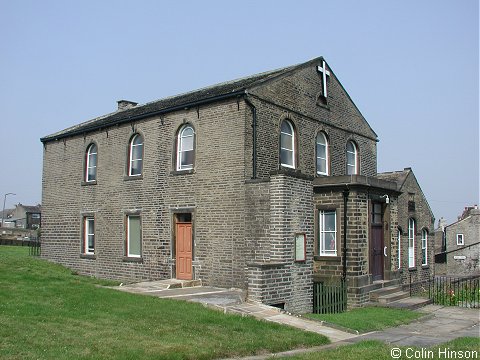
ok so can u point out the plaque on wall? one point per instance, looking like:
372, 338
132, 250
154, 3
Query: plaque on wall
300, 240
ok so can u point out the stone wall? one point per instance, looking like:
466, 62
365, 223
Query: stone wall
216, 200
276, 278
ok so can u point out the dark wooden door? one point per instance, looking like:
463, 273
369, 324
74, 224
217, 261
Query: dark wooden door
184, 251
377, 255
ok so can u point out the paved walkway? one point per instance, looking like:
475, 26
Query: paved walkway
443, 324
440, 324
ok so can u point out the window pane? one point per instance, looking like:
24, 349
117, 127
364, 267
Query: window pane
137, 140
92, 172
187, 159
91, 243
137, 152
330, 241
134, 235
321, 151
329, 221
321, 166
188, 131
92, 159
286, 157
321, 139
186, 143
286, 142
350, 147
136, 168
286, 128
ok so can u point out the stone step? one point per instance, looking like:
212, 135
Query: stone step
388, 298
374, 295
177, 284
410, 303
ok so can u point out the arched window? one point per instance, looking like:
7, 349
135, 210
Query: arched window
287, 145
91, 163
424, 246
411, 242
322, 154
135, 155
352, 158
186, 148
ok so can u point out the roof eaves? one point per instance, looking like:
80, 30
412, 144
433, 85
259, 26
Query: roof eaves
79, 130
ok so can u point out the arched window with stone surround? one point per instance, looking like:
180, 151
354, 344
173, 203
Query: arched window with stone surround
91, 163
135, 155
352, 158
322, 154
185, 148
287, 145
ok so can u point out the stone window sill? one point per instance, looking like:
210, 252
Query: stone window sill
131, 178
412, 269
88, 256
132, 259
327, 258
88, 183
182, 172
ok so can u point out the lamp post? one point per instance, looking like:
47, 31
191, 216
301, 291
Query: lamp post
3, 212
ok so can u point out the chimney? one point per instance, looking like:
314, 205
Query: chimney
125, 104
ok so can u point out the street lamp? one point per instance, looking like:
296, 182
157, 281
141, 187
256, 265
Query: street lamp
3, 212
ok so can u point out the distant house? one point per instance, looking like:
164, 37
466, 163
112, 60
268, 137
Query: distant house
26, 216
462, 245
5, 218
415, 233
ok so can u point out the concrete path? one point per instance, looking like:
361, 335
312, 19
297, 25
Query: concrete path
445, 323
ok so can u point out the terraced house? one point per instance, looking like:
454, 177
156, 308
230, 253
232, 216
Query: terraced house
266, 183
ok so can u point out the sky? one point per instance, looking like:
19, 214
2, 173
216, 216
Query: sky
410, 66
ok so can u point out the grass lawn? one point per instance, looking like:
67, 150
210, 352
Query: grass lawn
46, 312
374, 349
369, 318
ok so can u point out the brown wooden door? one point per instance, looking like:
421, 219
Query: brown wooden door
184, 250
376, 242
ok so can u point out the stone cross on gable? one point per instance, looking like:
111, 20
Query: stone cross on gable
325, 73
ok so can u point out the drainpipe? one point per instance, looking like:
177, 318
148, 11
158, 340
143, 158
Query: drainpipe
254, 138
345, 201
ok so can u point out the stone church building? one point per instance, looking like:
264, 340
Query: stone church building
267, 183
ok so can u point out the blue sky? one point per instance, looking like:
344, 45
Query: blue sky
411, 67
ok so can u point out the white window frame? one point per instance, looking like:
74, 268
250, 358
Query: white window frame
88, 164
411, 242
355, 158
292, 151
324, 144
399, 240
88, 230
181, 150
130, 155
462, 241
321, 233
128, 236
424, 247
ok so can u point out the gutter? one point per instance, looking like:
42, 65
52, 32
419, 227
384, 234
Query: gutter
254, 136
128, 119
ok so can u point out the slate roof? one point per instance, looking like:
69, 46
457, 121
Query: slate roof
32, 209
398, 177
211, 93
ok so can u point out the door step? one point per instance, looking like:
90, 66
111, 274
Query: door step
391, 297
177, 284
